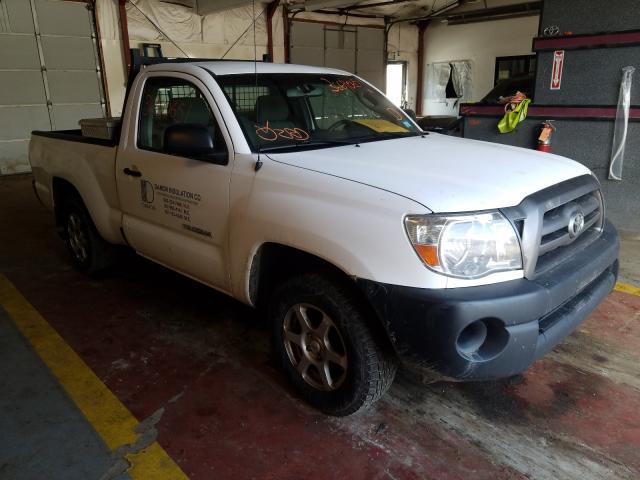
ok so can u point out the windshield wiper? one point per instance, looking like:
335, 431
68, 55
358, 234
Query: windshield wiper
315, 143
332, 142
386, 136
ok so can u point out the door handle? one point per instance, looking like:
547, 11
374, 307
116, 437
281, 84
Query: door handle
132, 173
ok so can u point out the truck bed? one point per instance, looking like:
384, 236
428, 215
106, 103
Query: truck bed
76, 136
84, 164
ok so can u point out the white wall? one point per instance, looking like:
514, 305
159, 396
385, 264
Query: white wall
209, 36
480, 43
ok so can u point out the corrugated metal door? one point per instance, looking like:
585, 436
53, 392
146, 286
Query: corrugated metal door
340, 47
352, 48
49, 72
370, 58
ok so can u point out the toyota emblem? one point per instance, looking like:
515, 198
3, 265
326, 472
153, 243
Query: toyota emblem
576, 224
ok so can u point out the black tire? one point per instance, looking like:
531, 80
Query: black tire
370, 367
94, 254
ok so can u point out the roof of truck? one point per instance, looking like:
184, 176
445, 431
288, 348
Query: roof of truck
238, 67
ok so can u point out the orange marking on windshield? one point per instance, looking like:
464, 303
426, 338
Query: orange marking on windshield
269, 134
341, 85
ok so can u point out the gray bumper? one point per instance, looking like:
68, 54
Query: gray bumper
494, 331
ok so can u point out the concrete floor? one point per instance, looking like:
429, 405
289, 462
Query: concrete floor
160, 341
38, 419
630, 256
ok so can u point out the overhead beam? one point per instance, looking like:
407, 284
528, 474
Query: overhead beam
185, 3
313, 5
497, 13
377, 4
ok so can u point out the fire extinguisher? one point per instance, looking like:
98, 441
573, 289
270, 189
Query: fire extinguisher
544, 139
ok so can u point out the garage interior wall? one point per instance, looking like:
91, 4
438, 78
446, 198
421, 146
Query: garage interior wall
480, 43
198, 36
211, 36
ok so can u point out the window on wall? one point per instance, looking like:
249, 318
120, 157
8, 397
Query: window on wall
448, 81
514, 66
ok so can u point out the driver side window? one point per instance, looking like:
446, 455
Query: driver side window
173, 101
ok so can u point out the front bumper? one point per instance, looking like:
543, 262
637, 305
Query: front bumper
498, 330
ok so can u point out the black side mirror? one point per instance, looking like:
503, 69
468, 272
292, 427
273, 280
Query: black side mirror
192, 140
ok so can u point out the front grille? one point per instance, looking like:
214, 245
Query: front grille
556, 222
547, 222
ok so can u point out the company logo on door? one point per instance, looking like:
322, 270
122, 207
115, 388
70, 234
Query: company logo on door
147, 193
177, 193
172, 201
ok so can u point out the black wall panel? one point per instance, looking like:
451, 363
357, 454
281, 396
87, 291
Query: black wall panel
591, 16
590, 76
587, 141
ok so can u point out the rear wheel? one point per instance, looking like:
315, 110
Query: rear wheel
89, 252
326, 347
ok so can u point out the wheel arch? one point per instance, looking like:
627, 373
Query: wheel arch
273, 263
105, 218
63, 189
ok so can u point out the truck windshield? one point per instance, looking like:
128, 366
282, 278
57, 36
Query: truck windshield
304, 111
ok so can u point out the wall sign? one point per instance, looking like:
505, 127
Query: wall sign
556, 71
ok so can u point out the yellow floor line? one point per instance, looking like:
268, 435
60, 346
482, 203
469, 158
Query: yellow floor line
626, 288
109, 417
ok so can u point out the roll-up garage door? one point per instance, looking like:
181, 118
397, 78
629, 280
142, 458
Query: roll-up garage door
352, 48
49, 73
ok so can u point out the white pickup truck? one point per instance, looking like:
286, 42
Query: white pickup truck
305, 191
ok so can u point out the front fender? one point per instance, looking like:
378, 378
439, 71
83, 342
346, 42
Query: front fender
355, 227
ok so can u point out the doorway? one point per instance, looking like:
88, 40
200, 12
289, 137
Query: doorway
396, 82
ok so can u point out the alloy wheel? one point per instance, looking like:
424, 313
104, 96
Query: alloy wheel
77, 237
315, 347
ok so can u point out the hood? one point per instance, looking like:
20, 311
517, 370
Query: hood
443, 173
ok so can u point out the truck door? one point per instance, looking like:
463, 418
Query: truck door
175, 207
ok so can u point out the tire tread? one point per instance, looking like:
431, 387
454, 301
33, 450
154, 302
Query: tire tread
379, 365
103, 254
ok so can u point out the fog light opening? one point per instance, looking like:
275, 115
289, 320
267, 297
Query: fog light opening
482, 340
472, 337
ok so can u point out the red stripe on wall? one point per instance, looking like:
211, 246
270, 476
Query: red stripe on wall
568, 42
604, 113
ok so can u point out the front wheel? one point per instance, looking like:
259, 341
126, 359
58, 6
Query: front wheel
326, 347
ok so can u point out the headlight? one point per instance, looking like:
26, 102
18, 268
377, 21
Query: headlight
465, 246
